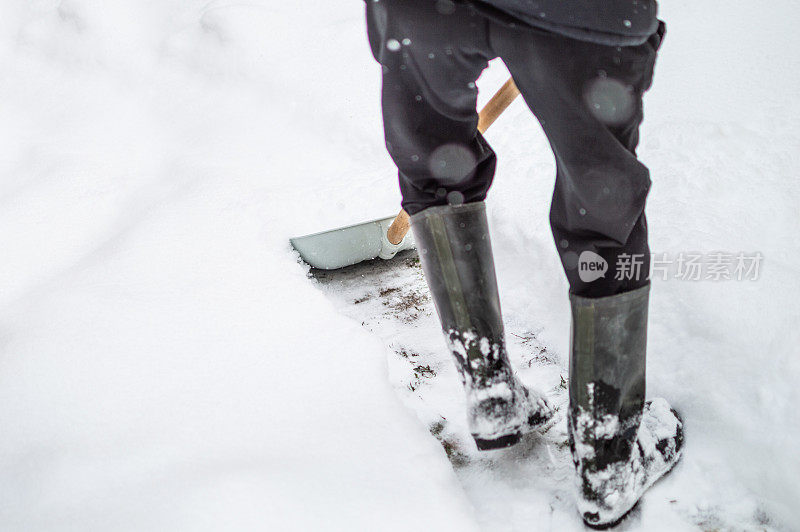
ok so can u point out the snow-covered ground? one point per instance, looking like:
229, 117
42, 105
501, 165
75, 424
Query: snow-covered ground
166, 363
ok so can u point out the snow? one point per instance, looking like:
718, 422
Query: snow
165, 363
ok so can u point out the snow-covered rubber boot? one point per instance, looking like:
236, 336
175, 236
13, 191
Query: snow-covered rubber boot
456, 256
620, 444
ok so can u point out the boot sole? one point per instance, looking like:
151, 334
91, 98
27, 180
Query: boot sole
514, 438
498, 443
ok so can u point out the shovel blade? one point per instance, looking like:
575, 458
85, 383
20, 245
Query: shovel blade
331, 250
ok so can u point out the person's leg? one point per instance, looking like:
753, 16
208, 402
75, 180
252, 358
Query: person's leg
588, 99
432, 53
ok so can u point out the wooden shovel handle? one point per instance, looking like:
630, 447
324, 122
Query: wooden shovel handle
494, 108
499, 103
400, 226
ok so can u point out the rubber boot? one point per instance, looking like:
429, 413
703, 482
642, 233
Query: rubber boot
620, 444
456, 256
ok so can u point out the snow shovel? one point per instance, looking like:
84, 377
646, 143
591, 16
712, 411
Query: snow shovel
385, 237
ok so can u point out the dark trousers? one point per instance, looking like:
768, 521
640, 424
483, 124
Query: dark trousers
587, 97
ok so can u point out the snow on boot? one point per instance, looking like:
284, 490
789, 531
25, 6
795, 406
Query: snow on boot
500, 409
456, 256
620, 445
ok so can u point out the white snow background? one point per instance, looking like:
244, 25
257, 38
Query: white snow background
166, 364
